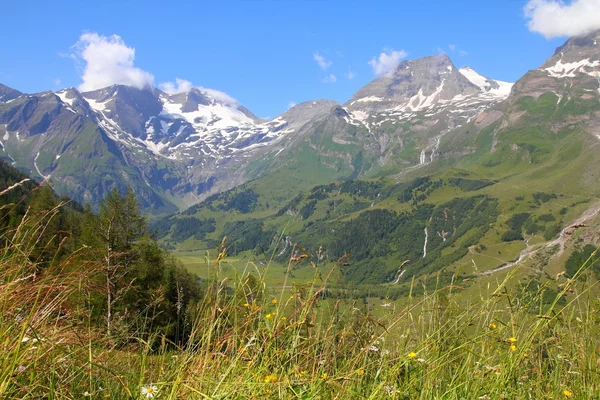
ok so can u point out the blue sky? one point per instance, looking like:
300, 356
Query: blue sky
263, 53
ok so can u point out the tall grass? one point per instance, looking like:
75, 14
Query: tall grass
248, 342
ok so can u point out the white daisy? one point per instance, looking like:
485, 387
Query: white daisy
149, 391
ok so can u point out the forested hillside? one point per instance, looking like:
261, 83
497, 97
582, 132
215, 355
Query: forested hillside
131, 284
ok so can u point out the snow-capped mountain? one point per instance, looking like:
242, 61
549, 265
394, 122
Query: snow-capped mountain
427, 92
176, 149
574, 64
181, 127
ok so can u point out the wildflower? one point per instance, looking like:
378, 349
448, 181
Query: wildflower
412, 355
421, 360
246, 305
301, 374
568, 393
274, 301
360, 372
21, 368
148, 391
270, 379
283, 319
292, 297
324, 375
250, 342
493, 325
389, 389
87, 394
268, 316
373, 348
525, 355
513, 347
511, 340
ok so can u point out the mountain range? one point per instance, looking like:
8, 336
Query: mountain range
177, 149
430, 167
430, 170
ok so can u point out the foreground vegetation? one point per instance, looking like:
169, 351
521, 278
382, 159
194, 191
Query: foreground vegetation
245, 341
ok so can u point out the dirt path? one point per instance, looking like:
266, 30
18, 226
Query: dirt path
560, 240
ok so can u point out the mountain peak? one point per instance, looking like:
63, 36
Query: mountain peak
583, 44
8, 93
417, 84
579, 56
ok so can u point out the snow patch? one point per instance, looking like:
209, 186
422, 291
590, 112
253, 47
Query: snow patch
96, 105
485, 84
369, 99
359, 115
569, 70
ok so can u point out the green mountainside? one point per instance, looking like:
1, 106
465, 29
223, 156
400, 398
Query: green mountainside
509, 181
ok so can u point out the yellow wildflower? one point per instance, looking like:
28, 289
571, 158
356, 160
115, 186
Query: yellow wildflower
324, 375
268, 316
412, 355
568, 393
274, 301
511, 340
283, 319
246, 305
493, 325
270, 379
360, 372
513, 347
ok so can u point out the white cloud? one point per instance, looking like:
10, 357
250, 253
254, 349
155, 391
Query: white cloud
452, 47
291, 104
554, 18
108, 61
462, 53
180, 86
387, 61
329, 79
57, 82
219, 96
351, 74
323, 63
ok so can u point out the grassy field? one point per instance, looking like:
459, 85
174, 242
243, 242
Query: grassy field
255, 343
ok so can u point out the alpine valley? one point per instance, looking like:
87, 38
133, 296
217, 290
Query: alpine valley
431, 169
